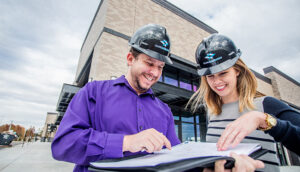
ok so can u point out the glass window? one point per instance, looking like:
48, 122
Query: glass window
198, 132
188, 133
197, 119
161, 79
176, 129
187, 119
195, 85
176, 117
185, 85
185, 82
171, 78
195, 88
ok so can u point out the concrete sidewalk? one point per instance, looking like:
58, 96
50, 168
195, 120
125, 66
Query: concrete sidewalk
31, 157
36, 156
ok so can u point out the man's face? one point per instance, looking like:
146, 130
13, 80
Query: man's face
144, 72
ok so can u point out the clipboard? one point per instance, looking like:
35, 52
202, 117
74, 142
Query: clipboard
175, 166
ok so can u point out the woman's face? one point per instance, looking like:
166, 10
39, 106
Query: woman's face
224, 84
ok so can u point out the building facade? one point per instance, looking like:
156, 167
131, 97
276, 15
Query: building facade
49, 128
103, 57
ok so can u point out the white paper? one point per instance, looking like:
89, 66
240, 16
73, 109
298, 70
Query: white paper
179, 152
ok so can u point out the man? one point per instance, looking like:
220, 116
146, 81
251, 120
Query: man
117, 118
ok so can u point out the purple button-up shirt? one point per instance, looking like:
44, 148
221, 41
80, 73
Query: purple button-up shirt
100, 115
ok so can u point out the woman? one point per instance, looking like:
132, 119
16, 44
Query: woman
236, 109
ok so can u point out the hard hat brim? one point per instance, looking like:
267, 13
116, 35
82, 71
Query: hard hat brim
154, 54
217, 68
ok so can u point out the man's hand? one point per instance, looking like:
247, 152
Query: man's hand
219, 167
149, 140
243, 163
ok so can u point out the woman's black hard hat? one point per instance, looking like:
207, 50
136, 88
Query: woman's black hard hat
215, 54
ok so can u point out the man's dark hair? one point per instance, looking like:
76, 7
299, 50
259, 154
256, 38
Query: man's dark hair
134, 52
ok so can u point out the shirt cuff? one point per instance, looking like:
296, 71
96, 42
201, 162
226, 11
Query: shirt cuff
279, 130
114, 146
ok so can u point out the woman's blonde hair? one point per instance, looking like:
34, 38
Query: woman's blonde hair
246, 88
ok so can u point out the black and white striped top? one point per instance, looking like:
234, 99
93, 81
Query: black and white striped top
230, 112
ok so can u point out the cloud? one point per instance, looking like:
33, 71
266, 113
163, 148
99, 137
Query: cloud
40, 44
39, 49
267, 32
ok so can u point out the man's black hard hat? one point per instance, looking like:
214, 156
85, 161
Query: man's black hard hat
153, 41
215, 54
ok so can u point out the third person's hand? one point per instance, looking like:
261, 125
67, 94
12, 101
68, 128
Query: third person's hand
237, 130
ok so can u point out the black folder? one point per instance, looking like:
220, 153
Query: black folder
183, 165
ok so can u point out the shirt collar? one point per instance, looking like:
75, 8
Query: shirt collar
123, 81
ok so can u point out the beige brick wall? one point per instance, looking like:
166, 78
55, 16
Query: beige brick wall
120, 16
50, 119
127, 16
109, 57
264, 87
92, 36
274, 85
109, 60
286, 89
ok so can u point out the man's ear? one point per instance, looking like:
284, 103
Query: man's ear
130, 59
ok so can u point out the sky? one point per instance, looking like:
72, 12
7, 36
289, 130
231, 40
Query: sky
40, 44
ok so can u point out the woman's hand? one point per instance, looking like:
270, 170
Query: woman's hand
237, 130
